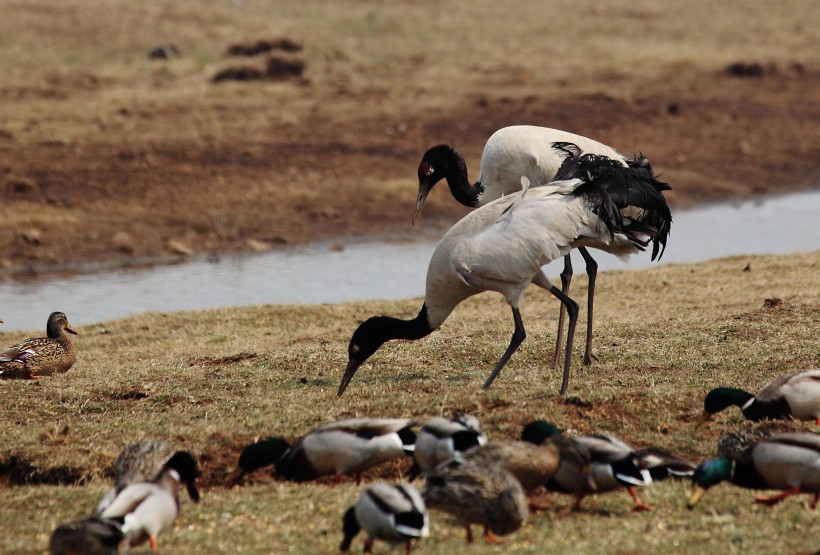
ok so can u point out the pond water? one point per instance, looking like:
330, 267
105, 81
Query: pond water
378, 270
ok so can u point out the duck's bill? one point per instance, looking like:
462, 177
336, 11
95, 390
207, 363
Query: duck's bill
423, 191
69, 330
694, 498
192, 491
352, 366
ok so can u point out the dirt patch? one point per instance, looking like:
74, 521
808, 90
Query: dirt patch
17, 471
116, 200
263, 46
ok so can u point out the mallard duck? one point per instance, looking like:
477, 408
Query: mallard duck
342, 447
533, 465
485, 494
41, 356
91, 536
393, 513
795, 395
733, 443
442, 440
142, 462
613, 464
786, 461
150, 508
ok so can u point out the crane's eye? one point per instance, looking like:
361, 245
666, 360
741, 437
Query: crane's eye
429, 172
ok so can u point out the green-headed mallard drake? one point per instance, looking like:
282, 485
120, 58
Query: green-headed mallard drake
485, 494
142, 462
613, 464
342, 447
787, 461
393, 513
41, 356
795, 395
150, 508
91, 536
442, 440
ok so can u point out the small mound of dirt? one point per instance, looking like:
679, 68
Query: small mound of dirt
15, 471
230, 359
239, 73
262, 46
280, 67
744, 69
128, 395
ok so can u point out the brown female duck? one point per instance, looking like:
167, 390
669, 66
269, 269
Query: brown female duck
41, 356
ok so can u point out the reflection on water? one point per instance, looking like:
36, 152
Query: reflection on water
365, 271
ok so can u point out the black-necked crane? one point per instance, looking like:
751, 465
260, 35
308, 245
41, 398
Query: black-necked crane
503, 245
527, 150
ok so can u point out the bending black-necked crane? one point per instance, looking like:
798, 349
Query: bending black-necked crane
528, 150
503, 245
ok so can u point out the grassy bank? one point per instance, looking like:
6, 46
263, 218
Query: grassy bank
211, 381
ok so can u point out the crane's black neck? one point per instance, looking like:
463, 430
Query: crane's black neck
396, 328
455, 169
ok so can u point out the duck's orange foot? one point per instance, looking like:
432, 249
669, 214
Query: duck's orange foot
492, 538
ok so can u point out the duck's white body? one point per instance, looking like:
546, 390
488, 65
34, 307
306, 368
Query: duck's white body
148, 508
801, 390
443, 440
789, 460
379, 505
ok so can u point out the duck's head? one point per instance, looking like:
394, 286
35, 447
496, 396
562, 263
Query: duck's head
721, 398
185, 465
57, 324
350, 527
435, 165
538, 431
263, 453
708, 474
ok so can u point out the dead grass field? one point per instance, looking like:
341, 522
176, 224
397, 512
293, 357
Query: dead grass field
212, 381
108, 156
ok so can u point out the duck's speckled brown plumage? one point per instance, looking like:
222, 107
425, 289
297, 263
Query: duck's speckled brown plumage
484, 494
41, 356
533, 465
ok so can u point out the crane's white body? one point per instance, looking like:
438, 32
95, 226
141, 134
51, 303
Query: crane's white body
493, 250
527, 150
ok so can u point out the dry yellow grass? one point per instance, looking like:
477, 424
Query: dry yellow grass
664, 337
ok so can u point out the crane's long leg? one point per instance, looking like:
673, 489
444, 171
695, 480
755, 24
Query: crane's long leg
566, 278
572, 309
517, 337
592, 273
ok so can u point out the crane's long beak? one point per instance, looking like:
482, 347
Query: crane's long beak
352, 366
424, 190
697, 493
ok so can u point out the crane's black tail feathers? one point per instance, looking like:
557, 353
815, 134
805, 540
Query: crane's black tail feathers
611, 187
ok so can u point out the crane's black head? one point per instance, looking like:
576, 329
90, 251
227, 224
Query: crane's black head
368, 337
437, 163
185, 464
263, 453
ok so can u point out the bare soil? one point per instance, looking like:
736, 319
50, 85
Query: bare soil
97, 169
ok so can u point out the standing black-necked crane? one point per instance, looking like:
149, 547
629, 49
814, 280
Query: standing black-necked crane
528, 150
503, 245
